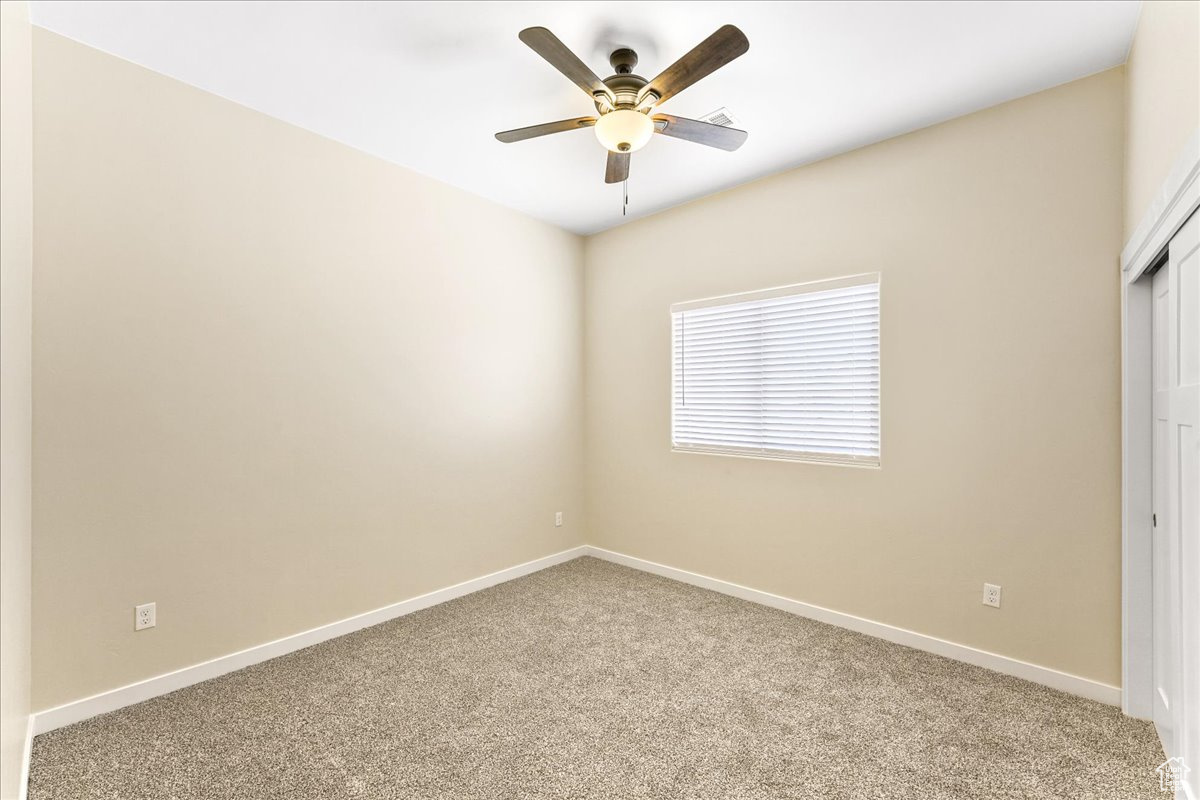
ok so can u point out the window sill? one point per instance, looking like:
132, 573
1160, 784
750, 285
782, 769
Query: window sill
860, 462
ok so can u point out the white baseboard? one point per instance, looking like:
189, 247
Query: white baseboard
1072, 684
88, 707
26, 756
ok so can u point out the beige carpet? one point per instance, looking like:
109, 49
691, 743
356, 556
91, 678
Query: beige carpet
590, 680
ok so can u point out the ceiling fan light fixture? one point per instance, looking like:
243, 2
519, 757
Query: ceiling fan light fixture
625, 101
624, 130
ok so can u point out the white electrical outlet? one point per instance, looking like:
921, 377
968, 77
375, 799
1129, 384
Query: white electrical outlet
991, 595
143, 617
558, 519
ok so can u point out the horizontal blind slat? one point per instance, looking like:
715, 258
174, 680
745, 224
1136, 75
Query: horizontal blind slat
792, 318
858, 326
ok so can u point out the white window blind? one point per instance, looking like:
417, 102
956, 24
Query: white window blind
786, 373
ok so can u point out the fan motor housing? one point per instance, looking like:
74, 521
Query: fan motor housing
625, 89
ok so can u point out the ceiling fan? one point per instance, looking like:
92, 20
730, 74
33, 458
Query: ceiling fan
627, 103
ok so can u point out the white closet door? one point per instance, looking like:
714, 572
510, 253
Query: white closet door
1176, 376
1185, 482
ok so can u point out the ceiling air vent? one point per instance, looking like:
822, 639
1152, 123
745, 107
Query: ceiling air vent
720, 117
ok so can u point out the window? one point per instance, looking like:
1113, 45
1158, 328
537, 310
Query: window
788, 373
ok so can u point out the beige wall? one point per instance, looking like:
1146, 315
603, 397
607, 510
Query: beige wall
16, 266
1162, 98
996, 235
278, 382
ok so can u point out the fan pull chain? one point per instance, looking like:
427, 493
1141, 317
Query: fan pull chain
625, 192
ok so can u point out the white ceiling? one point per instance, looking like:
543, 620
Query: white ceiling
427, 84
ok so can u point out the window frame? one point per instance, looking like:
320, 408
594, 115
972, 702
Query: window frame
795, 456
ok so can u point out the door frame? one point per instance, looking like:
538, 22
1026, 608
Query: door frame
1178, 198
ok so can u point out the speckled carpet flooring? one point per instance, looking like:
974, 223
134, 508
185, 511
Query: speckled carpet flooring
590, 680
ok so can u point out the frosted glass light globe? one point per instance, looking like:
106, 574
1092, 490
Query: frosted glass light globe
624, 130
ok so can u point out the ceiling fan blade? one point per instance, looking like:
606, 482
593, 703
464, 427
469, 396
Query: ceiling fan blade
617, 169
533, 131
704, 59
549, 47
699, 132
